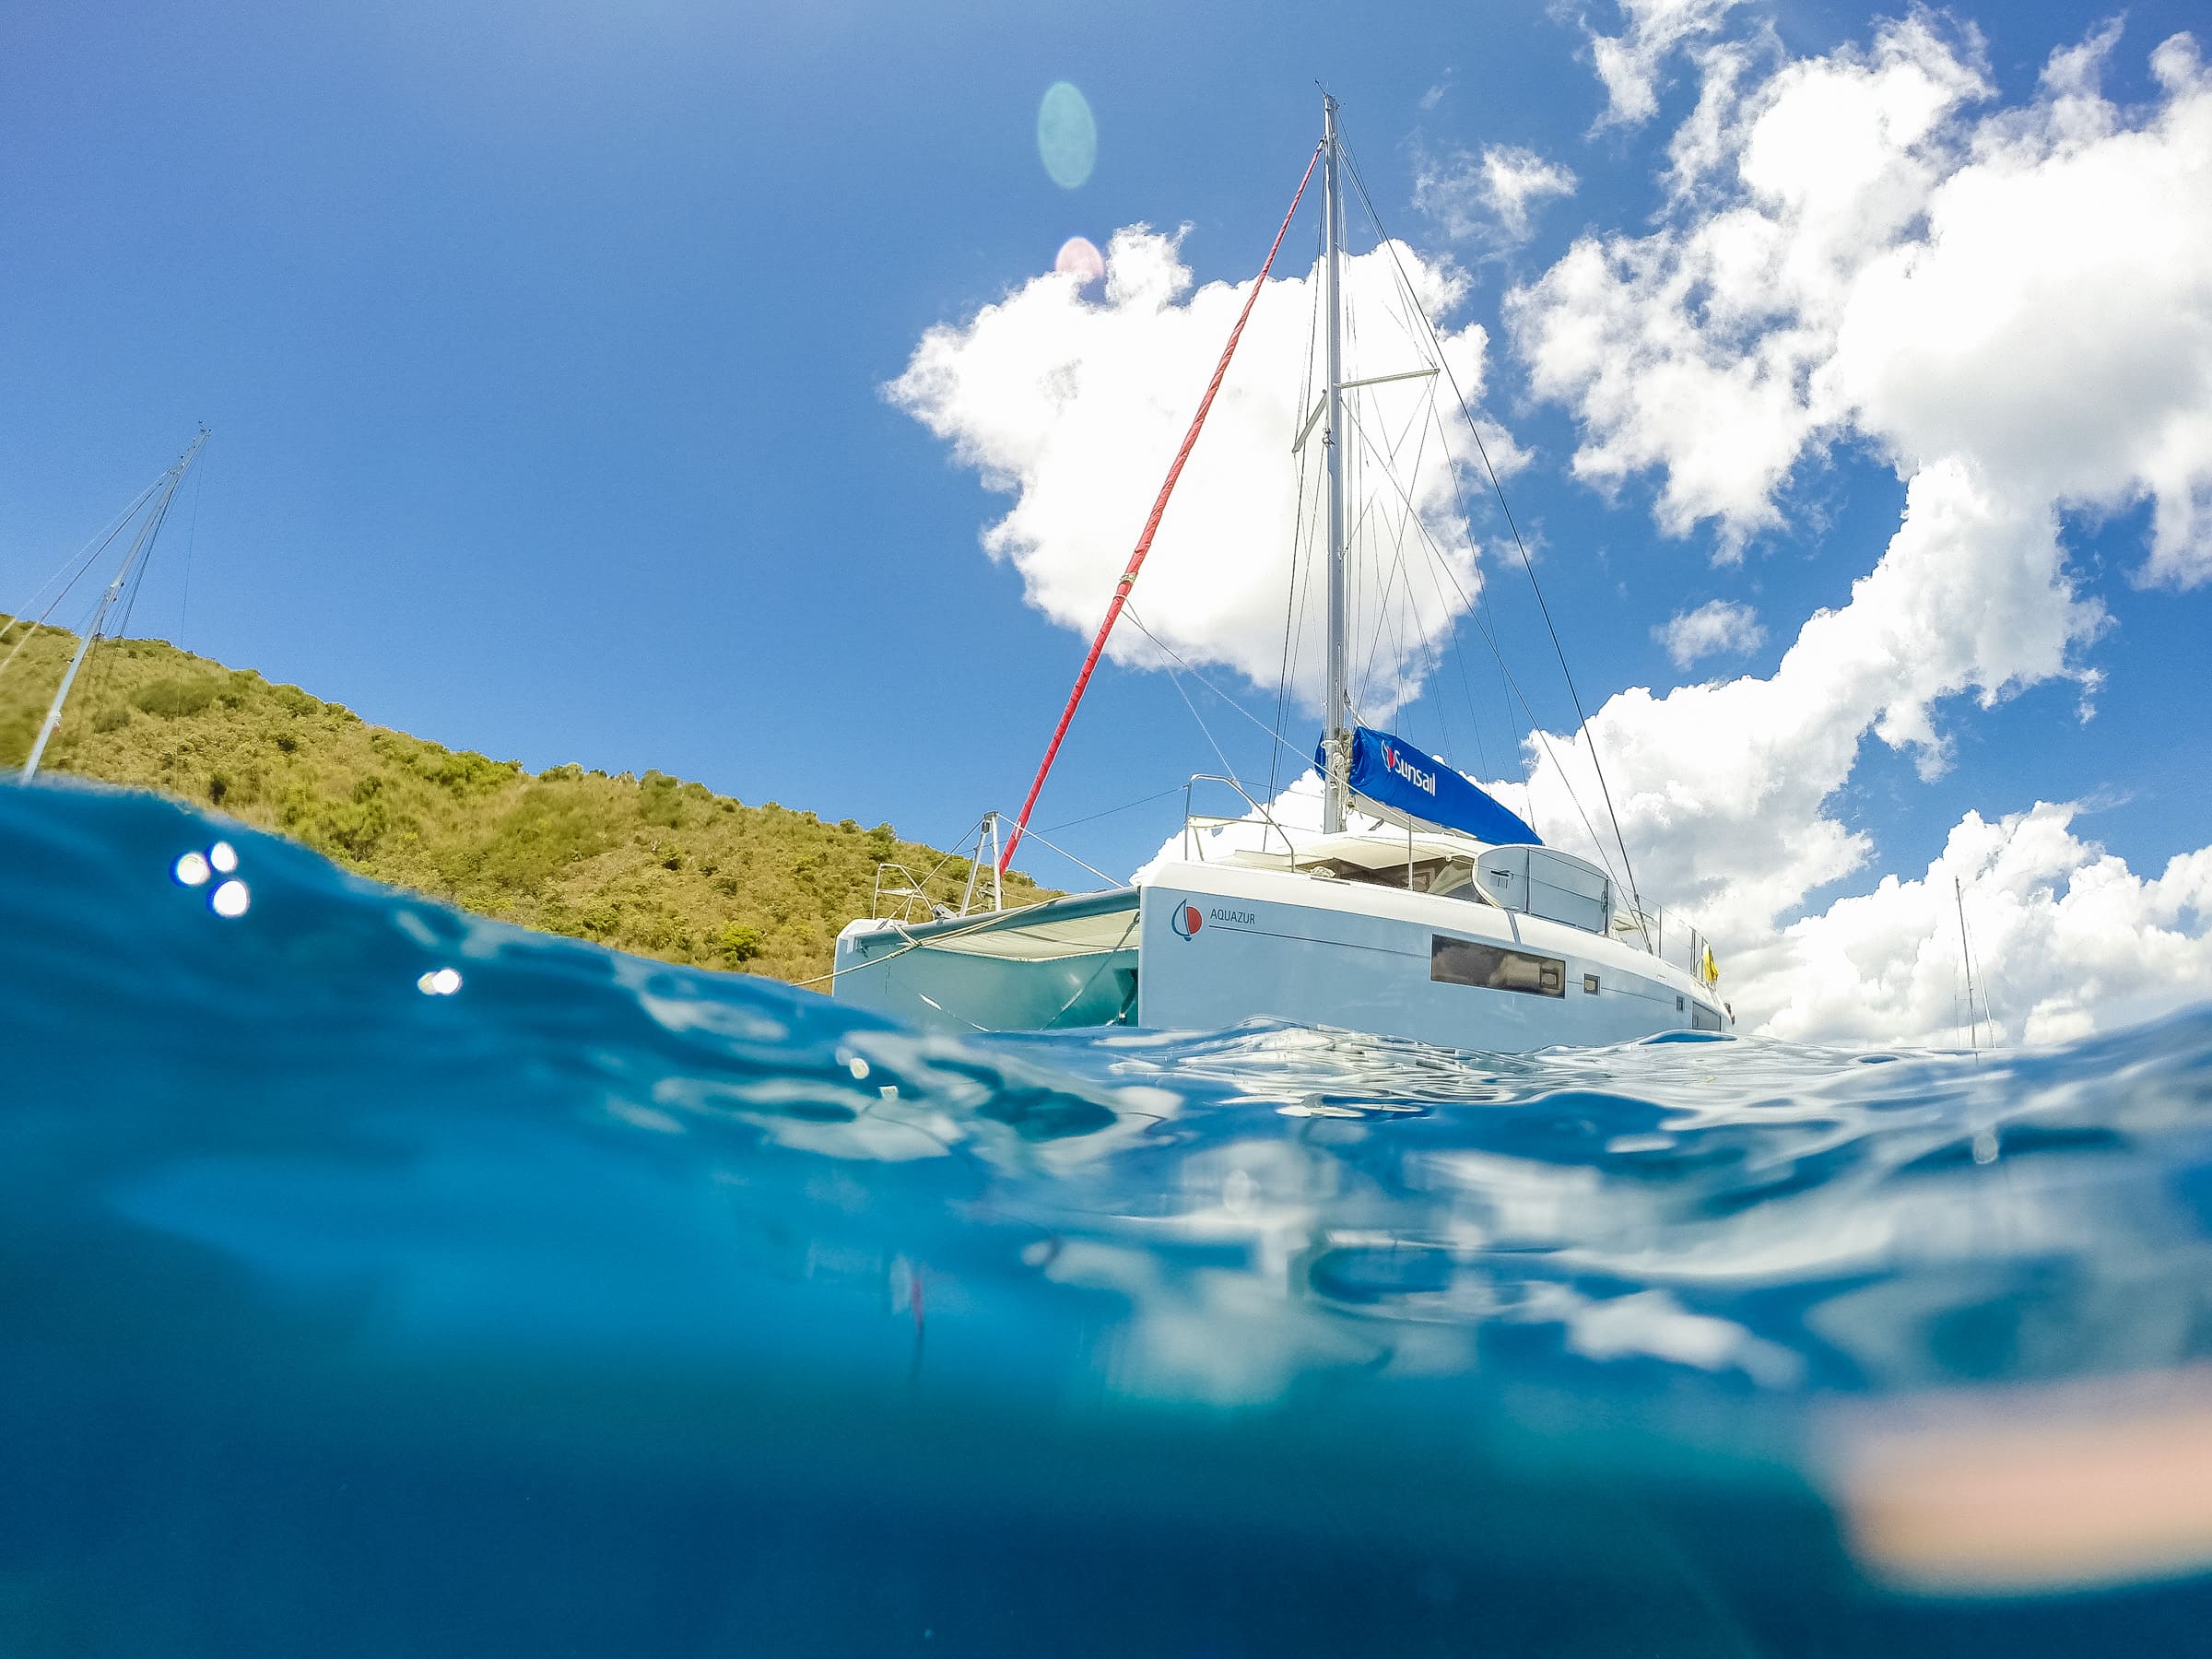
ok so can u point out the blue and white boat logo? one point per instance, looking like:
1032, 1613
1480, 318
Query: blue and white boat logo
1186, 921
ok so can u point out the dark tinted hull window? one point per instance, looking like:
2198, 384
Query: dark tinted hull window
1464, 963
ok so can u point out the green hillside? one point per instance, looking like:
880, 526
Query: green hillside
648, 863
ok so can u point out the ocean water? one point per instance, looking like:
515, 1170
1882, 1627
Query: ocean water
375, 1280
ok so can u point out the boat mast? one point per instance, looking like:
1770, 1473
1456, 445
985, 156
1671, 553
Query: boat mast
1335, 734
139, 545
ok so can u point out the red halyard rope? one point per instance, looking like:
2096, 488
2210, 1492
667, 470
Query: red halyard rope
1144, 542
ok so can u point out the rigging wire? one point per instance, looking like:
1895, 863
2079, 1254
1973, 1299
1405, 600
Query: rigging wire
1422, 649
1449, 634
1159, 506
99, 677
1486, 623
1536, 725
1387, 623
1966, 946
1293, 597
1303, 601
96, 660
1125, 806
1207, 732
1425, 414
1427, 652
153, 534
192, 538
1398, 619
83, 561
103, 669
1273, 736
1422, 344
139, 555
1359, 184
1367, 674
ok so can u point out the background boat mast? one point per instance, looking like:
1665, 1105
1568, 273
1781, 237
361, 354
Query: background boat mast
141, 544
1336, 738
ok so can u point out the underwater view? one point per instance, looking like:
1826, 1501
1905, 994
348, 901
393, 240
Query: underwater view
379, 1280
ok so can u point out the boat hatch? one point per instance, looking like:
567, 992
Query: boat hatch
1541, 881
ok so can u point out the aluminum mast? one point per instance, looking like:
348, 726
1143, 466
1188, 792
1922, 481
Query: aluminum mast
140, 545
1335, 731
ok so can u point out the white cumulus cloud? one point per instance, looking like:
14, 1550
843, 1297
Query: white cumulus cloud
1489, 199
2065, 939
1075, 407
1721, 786
1651, 31
1855, 257
1717, 628
2014, 306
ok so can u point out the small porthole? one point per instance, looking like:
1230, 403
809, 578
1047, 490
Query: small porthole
1678, 1005
1590, 984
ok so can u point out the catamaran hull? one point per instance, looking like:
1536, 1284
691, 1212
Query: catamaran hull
1200, 947
1219, 944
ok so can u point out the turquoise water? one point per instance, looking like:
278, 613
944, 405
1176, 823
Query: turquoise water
375, 1280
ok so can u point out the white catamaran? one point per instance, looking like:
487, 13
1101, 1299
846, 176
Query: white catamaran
1447, 921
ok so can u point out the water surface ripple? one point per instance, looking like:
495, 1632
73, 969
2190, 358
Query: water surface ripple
375, 1280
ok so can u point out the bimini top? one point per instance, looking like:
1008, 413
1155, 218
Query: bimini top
1395, 776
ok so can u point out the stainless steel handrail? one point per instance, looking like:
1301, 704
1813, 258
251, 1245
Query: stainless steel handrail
1265, 817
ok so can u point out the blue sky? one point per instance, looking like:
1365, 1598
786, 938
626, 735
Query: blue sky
545, 351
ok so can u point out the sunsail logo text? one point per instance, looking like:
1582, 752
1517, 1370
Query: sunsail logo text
1393, 760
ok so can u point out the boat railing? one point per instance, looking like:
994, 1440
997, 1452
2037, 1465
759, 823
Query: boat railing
1113, 882
983, 892
1680, 944
897, 888
1669, 935
1199, 824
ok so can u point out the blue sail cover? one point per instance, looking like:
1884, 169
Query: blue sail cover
1390, 772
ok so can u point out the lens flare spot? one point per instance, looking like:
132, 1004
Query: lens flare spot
440, 982
1067, 136
1080, 257
230, 899
223, 857
192, 870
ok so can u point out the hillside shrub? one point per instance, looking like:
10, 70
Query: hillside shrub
174, 699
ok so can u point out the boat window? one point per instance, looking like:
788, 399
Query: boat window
1465, 962
1702, 1018
1445, 877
